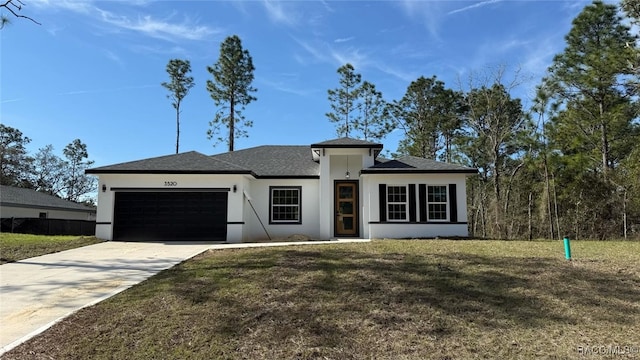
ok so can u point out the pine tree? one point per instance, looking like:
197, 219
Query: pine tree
588, 86
496, 124
374, 122
178, 88
593, 131
632, 8
344, 99
430, 115
231, 86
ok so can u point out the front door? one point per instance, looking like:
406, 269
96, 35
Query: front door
346, 208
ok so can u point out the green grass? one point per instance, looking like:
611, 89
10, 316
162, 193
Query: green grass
434, 299
14, 247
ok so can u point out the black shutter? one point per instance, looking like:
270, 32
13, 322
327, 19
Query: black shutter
412, 202
383, 201
453, 204
422, 200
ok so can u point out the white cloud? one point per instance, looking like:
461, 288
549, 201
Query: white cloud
4, 101
164, 29
105, 90
341, 40
327, 6
286, 84
351, 56
113, 56
318, 55
403, 75
474, 6
83, 7
155, 49
323, 52
278, 14
431, 13
157, 28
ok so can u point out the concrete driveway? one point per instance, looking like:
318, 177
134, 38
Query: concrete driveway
35, 293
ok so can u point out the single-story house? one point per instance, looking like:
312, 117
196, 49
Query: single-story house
332, 189
18, 202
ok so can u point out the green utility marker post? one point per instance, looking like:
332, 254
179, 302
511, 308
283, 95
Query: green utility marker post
567, 248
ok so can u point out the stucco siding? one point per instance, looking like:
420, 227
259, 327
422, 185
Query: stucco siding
169, 182
400, 229
416, 231
259, 194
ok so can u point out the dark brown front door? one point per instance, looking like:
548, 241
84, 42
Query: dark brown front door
346, 208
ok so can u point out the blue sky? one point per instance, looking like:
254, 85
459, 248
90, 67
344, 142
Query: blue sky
93, 69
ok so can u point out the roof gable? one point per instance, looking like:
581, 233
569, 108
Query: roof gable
347, 142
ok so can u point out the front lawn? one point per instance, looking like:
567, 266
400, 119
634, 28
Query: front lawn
433, 299
14, 247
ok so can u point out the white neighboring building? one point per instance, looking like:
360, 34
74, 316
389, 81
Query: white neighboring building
333, 189
26, 203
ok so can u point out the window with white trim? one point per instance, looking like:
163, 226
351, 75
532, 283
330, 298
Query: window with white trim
397, 203
285, 205
437, 202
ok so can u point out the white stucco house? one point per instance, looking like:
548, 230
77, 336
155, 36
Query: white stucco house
332, 189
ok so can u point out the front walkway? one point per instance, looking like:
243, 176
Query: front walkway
36, 293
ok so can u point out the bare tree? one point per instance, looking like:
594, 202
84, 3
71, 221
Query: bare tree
14, 7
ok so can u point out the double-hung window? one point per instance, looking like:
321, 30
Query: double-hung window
396, 203
437, 202
285, 205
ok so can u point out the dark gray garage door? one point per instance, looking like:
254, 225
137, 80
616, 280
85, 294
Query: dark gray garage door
174, 215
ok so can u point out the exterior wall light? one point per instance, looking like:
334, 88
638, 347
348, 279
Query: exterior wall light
104, 188
235, 188
347, 174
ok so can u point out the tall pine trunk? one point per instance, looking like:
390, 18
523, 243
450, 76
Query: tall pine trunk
232, 123
177, 127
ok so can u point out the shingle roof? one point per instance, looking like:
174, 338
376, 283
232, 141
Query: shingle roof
188, 162
14, 196
274, 161
346, 142
277, 161
413, 164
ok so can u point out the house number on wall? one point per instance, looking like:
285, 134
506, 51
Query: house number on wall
170, 183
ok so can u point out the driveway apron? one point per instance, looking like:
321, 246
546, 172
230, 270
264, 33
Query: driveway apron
37, 292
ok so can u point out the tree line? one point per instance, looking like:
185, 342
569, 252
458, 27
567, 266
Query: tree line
567, 165
45, 171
